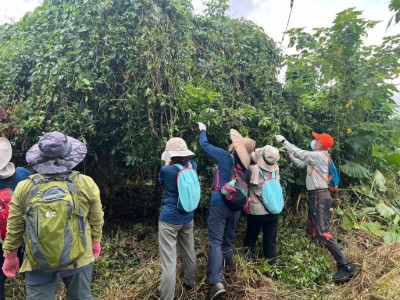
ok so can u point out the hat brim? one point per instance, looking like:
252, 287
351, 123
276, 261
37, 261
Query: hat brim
262, 164
46, 165
5, 152
240, 148
184, 153
7, 171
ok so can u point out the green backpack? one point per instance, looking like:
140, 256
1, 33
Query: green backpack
55, 229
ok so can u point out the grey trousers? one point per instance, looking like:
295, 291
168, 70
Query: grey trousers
169, 237
78, 286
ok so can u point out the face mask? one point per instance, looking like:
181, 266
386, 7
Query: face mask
312, 145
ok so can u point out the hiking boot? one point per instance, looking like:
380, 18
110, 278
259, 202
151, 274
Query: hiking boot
217, 291
187, 287
344, 273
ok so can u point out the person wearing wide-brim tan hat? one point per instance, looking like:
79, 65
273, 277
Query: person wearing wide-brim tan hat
54, 157
266, 162
175, 226
242, 146
319, 197
222, 221
10, 176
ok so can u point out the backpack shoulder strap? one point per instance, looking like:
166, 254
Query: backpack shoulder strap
262, 173
319, 174
37, 179
179, 166
73, 175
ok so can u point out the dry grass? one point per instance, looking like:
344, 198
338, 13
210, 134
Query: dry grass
130, 270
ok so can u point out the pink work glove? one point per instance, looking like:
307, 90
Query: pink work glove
11, 264
96, 247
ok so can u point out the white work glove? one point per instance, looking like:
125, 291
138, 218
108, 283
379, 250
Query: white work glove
280, 138
202, 126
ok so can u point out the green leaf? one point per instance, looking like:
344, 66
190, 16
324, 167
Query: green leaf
375, 228
384, 210
379, 180
355, 170
348, 220
393, 159
391, 236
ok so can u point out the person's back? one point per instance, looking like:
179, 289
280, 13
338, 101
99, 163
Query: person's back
319, 197
259, 217
10, 176
175, 226
222, 220
54, 156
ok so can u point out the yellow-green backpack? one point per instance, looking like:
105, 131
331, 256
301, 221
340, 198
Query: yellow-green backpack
55, 229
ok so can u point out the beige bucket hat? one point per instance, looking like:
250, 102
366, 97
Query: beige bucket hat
176, 147
266, 158
243, 147
7, 168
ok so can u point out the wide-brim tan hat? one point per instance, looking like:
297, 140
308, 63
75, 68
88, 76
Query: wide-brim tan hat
7, 171
176, 147
266, 158
5, 152
243, 147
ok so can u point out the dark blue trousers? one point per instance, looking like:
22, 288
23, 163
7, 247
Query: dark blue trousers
222, 223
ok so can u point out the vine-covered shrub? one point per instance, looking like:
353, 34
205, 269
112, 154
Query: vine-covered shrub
125, 75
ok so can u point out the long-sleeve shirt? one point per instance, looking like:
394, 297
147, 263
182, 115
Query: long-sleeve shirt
314, 161
91, 210
12, 181
225, 166
169, 212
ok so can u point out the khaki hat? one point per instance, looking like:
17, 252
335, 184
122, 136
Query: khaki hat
266, 158
5, 152
7, 171
176, 147
243, 147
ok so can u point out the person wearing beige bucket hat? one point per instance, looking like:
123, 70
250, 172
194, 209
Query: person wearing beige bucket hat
10, 176
319, 198
222, 220
175, 226
266, 161
54, 157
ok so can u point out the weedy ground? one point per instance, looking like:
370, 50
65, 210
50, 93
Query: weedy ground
129, 267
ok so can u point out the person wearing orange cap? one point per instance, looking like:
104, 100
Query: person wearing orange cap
319, 197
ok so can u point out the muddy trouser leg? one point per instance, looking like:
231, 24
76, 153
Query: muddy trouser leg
188, 254
319, 216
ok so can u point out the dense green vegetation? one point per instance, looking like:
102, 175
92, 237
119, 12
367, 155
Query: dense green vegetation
124, 76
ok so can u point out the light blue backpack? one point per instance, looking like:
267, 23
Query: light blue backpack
188, 188
272, 195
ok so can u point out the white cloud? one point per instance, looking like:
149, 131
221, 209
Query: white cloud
13, 10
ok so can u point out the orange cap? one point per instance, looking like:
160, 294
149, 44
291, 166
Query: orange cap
325, 139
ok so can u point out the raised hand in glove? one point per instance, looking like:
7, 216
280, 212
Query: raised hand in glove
280, 138
202, 126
